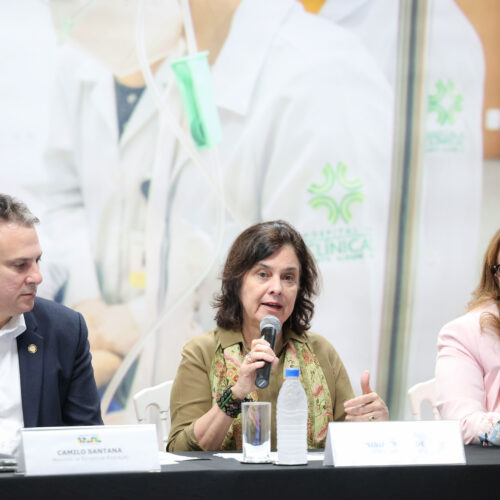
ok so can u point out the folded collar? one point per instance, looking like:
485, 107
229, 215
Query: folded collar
254, 26
14, 327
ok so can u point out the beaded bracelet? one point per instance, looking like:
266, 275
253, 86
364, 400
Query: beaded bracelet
229, 404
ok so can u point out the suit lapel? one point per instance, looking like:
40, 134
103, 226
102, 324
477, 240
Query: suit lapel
30, 352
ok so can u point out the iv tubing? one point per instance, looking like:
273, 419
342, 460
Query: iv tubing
192, 47
185, 141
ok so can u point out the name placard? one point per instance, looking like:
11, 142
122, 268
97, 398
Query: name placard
89, 449
394, 443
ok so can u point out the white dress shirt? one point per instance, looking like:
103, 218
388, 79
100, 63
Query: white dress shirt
11, 410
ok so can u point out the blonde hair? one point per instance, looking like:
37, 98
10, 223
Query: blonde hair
488, 289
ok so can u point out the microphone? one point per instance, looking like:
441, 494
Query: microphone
270, 326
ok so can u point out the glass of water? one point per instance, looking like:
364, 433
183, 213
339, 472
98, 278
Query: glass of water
256, 429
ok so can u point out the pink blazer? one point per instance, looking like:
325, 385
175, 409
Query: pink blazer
468, 374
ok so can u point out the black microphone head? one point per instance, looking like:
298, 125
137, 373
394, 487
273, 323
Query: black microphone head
270, 321
261, 382
270, 326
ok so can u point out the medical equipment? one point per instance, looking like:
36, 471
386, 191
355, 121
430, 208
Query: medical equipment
193, 77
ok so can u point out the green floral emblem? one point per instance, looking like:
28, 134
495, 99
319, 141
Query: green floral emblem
322, 193
445, 102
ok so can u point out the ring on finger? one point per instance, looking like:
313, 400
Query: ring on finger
248, 357
371, 418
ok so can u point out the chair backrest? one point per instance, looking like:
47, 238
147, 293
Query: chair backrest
159, 397
423, 391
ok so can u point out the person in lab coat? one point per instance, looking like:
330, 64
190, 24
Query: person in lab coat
99, 158
306, 123
452, 154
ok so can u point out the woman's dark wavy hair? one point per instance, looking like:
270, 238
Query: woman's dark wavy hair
256, 243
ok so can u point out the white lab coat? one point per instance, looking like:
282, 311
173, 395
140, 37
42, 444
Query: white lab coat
447, 259
96, 212
306, 96
293, 96
94, 179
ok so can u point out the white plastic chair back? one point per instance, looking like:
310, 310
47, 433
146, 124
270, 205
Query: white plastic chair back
423, 391
159, 397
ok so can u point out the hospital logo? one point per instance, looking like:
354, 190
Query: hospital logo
445, 102
339, 207
340, 244
336, 196
444, 132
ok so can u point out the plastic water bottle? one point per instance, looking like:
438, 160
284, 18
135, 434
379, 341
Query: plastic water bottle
292, 420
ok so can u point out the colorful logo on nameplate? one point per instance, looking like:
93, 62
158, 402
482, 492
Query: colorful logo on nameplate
336, 195
88, 439
444, 131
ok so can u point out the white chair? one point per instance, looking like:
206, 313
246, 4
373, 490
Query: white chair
423, 391
159, 397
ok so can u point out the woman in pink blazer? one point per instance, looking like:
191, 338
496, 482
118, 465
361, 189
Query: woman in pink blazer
468, 361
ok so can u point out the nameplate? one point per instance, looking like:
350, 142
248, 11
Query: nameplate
89, 449
394, 443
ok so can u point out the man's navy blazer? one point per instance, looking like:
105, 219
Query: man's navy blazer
57, 380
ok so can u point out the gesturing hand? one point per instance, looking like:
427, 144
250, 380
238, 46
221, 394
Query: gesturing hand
370, 406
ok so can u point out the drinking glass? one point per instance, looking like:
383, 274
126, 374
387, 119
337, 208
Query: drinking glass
256, 429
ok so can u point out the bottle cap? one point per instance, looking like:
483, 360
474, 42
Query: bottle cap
292, 372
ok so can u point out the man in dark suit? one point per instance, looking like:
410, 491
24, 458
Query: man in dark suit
46, 375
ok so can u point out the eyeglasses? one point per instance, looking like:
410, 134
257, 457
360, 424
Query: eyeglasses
495, 269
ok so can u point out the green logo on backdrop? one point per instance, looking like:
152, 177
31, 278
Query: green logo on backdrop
350, 193
445, 102
444, 105
340, 244
335, 196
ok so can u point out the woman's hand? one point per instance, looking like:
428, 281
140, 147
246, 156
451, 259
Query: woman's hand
259, 353
368, 407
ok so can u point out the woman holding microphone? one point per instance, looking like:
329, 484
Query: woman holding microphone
269, 271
